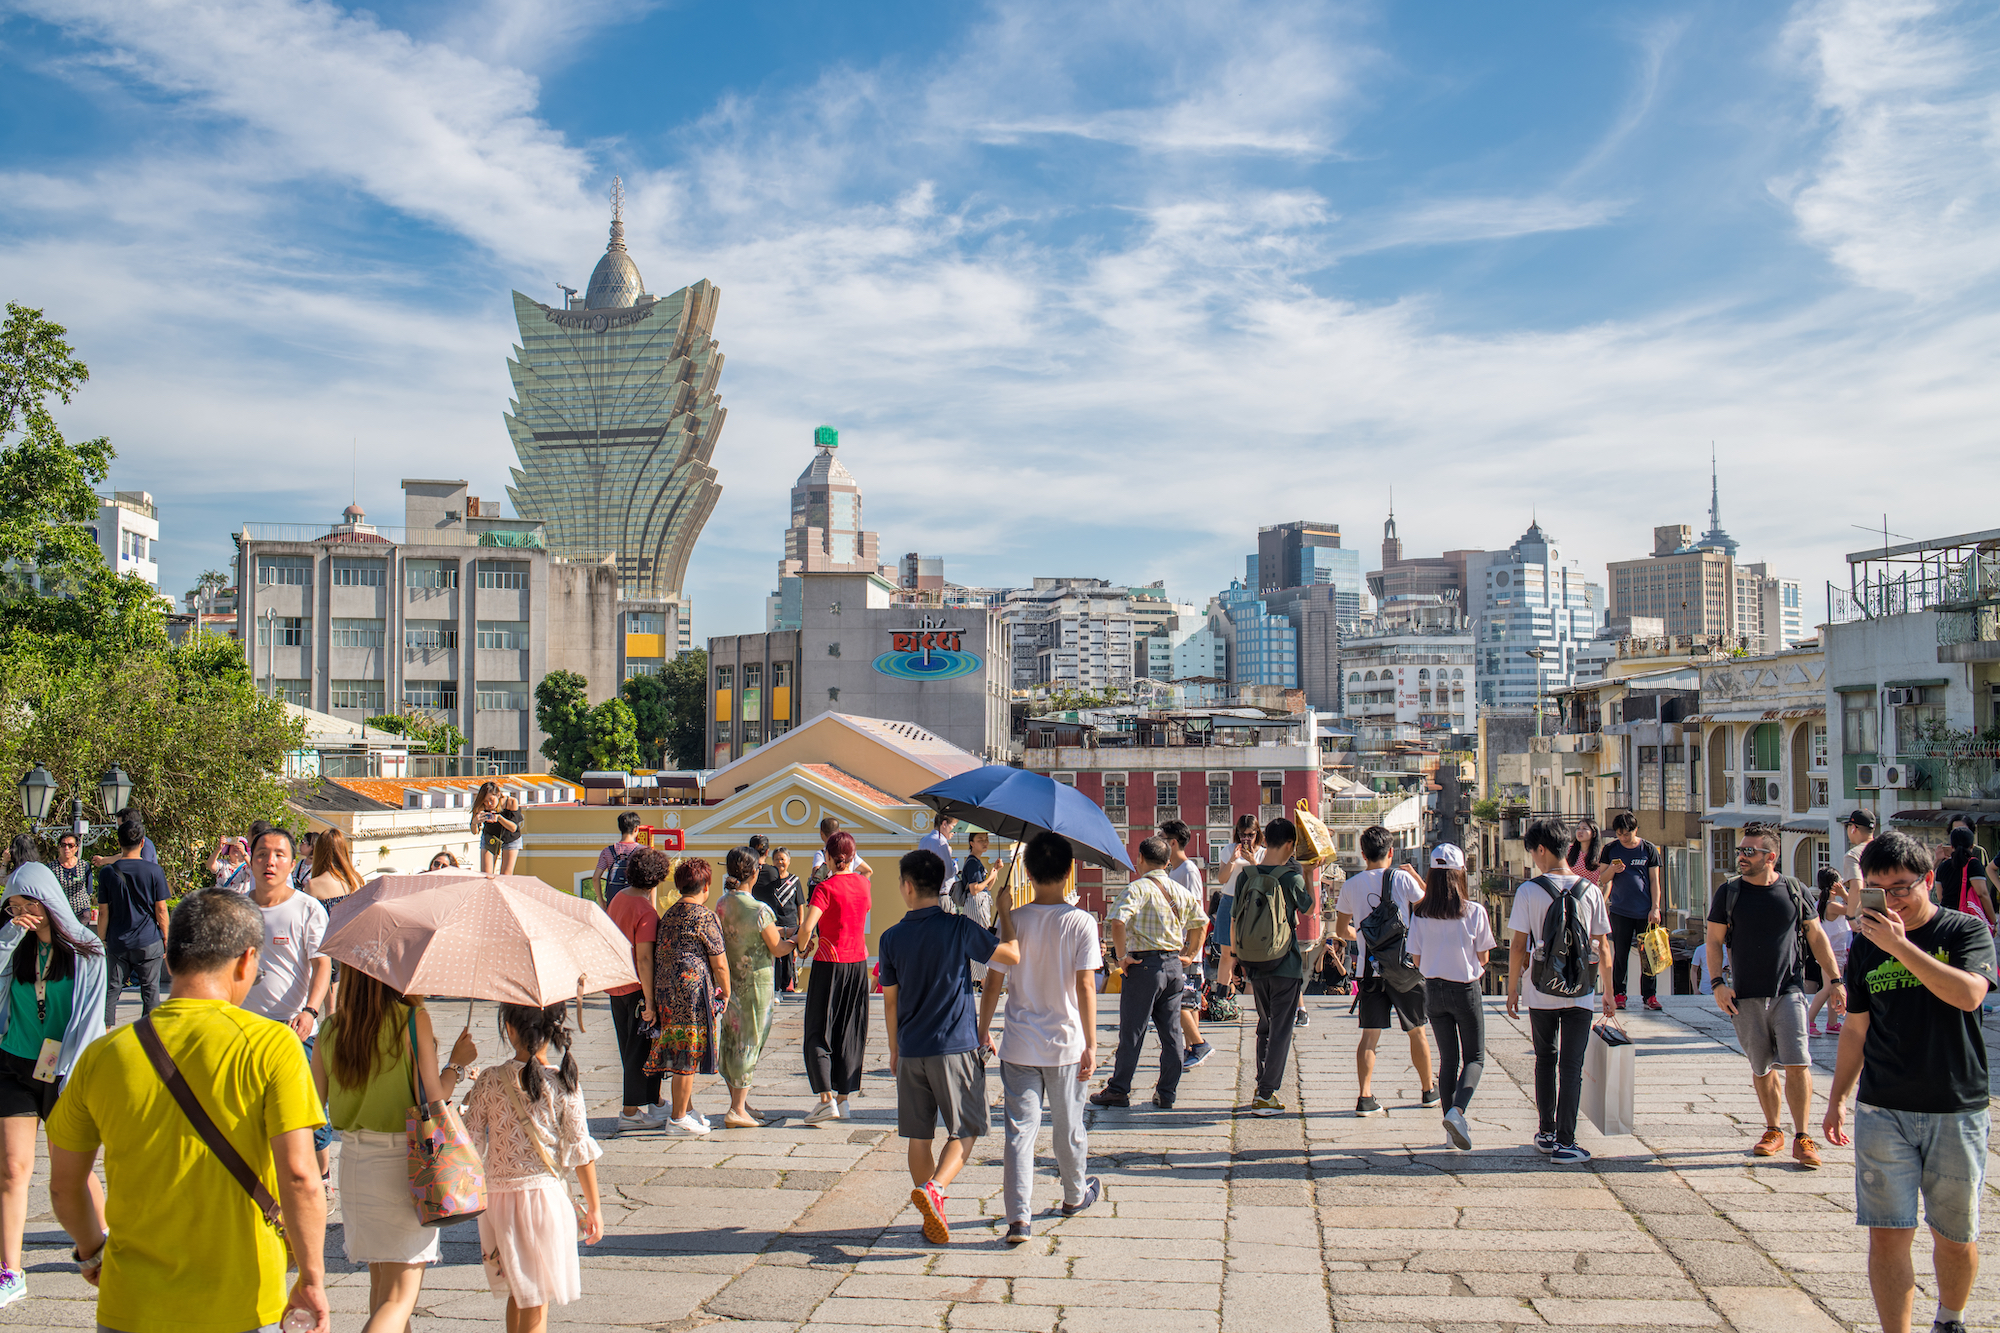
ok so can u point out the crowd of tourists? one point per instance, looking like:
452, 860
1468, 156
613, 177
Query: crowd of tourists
214, 1114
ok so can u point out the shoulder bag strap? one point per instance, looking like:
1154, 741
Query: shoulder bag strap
225, 1151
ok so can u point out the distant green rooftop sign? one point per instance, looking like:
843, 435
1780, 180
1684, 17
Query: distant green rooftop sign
826, 437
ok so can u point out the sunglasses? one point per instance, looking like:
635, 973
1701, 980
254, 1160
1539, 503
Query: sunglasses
1742, 852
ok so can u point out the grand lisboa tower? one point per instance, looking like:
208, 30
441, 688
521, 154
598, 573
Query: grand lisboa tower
615, 418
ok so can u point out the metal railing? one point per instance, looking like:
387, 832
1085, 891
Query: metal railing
1963, 771
1980, 625
529, 538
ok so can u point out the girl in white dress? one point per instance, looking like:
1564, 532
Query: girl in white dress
529, 1124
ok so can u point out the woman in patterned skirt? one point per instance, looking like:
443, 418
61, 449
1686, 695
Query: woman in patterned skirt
752, 938
690, 984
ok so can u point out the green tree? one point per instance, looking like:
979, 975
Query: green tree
57, 595
686, 735
562, 712
651, 703
206, 753
612, 737
432, 734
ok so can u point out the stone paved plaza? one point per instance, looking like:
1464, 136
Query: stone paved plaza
1211, 1219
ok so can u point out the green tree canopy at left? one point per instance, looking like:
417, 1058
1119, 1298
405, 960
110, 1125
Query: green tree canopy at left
87, 680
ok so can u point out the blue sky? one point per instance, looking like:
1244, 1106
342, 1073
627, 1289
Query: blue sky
1092, 289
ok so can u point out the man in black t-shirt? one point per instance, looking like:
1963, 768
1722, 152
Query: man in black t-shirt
133, 891
1916, 977
1759, 918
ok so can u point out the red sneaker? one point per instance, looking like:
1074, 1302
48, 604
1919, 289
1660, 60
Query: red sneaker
1621, 1000
1653, 1003
930, 1205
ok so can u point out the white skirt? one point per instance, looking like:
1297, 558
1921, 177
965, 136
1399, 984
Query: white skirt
378, 1215
527, 1240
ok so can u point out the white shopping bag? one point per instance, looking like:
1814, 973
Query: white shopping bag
1609, 1065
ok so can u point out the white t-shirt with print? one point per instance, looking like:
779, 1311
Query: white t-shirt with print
1044, 1024
292, 932
1449, 950
1531, 909
1359, 895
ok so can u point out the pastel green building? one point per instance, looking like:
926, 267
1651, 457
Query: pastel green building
615, 418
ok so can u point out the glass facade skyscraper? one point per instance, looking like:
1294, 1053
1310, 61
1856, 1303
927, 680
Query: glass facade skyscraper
615, 418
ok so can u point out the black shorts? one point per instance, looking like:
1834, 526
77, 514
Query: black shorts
1378, 998
21, 1093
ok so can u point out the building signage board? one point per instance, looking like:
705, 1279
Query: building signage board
933, 650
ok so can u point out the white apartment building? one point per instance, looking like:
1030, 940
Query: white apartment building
1769, 610
128, 533
1531, 610
1085, 633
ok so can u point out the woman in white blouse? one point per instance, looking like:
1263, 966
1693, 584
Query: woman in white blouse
1450, 939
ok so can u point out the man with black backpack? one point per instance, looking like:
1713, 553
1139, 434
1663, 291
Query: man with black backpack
1561, 938
611, 861
1374, 907
1767, 924
1270, 897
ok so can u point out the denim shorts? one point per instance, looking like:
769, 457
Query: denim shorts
1225, 908
1900, 1156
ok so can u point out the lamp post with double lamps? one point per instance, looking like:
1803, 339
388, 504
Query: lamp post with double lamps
38, 792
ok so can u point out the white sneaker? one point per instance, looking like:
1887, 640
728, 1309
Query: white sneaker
845, 1112
822, 1113
658, 1114
686, 1127
628, 1123
13, 1285
697, 1117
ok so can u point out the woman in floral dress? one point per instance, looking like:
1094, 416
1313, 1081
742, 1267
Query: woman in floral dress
690, 983
752, 940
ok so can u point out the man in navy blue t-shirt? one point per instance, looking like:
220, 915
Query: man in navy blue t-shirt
934, 1031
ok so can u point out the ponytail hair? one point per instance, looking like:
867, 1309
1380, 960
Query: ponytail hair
535, 1028
740, 867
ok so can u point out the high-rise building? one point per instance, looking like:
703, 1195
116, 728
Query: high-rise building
615, 418
1264, 648
825, 535
1421, 577
1690, 587
1306, 554
1531, 609
128, 533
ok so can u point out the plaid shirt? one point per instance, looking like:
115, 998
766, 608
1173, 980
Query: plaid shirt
1157, 913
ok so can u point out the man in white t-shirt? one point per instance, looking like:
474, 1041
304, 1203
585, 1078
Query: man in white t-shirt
938, 840
1558, 1025
1358, 897
1859, 827
292, 974
1049, 1046
1185, 871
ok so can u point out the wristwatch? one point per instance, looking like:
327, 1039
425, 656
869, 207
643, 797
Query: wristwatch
95, 1261
310, 1010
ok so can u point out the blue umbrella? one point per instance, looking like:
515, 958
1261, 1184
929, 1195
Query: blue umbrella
1015, 803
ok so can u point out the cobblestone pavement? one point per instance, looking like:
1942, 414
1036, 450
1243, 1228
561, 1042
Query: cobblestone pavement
1211, 1219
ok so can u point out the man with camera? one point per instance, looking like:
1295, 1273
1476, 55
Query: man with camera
1916, 977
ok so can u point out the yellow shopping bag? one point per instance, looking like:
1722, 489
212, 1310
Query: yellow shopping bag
1657, 949
1315, 841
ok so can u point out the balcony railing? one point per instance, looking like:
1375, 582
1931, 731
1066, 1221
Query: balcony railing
528, 537
1969, 772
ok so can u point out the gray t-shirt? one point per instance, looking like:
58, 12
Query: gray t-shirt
292, 932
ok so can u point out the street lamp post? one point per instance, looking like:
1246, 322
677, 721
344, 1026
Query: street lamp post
1537, 654
38, 791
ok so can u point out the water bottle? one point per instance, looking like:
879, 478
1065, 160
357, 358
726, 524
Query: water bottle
298, 1321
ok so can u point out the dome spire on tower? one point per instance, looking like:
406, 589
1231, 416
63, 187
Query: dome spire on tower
615, 281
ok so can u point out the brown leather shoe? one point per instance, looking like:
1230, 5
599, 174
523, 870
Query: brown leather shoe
1771, 1144
1805, 1152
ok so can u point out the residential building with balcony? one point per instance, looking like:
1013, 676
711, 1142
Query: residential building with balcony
1087, 633
1531, 609
1408, 692
458, 614
128, 533
1767, 757
1913, 685
1204, 767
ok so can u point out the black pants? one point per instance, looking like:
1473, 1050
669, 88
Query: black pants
1624, 931
144, 966
1460, 1024
641, 1089
836, 1026
1277, 1013
1151, 993
784, 974
1559, 1077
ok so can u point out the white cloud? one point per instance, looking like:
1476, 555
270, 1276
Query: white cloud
1907, 196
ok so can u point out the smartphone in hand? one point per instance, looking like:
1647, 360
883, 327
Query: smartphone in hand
1875, 900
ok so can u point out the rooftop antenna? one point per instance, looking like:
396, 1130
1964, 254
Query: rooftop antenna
617, 214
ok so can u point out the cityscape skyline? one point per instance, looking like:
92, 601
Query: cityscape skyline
1310, 250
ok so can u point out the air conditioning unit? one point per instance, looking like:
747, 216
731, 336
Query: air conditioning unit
1868, 777
1897, 777
1899, 698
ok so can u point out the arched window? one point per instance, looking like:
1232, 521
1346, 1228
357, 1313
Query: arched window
1423, 676
1457, 673
1369, 676
1354, 678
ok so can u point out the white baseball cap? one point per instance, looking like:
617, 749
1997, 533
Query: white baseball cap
1445, 856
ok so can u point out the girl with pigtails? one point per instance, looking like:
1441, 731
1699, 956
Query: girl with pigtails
528, 1122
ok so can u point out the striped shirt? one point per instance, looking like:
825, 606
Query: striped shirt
1157, 913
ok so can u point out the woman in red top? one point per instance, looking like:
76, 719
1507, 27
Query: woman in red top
632, 1017
836, 1023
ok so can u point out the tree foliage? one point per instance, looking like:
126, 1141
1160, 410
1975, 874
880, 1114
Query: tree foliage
562, 712
646, 696
612, 737
686, 692
430, 733
87, 679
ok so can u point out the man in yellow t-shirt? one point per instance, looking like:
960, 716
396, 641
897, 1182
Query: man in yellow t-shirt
189, 1252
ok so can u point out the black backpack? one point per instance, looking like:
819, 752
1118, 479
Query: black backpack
615, 882
1563, 962
1385, 936
1801, 906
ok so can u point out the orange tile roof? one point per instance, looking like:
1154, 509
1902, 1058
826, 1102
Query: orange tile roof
390, 790
841, 778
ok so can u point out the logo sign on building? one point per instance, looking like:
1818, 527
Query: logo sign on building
933, 650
